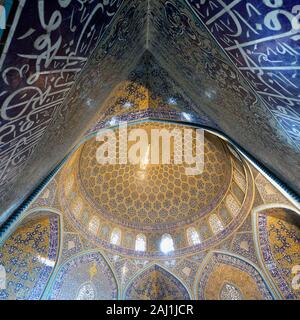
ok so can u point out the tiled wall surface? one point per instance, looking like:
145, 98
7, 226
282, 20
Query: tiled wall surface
45, 57
47, 47
263, 41
252, 97
62, 59
235, 268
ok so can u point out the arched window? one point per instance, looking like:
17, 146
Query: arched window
166, 243
140, 242
192, 236
94, 225
115, 237
232, 205
240, 180
215, 223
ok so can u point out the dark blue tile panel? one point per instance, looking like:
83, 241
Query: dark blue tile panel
47, 46
262, 38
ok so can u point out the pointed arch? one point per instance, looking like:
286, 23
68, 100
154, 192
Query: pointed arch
167, 243
89, 269
94, 225
38, 239
115, 237
193, 236
140, 242
155, 283
220, 267
215, 223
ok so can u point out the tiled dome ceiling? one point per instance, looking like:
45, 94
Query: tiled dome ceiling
49, 98
155, 196
152, 199
85, 230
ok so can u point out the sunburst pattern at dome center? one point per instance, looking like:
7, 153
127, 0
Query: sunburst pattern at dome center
155, 196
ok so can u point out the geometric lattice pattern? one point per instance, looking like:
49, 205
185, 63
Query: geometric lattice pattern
231, 278
155, 196
29, 256
279, 246
85, 277
156, 283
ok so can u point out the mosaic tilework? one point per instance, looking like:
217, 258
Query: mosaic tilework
244, 246
156, 283
47, 197
164, 114
262, 39
268, 193
104, 69
42, 57
279, 246
126, 267
247, 225
71, 245
225, 245
223, 268
225, 215
149, 92
230, 292
232, 204
257, 199
191, 55
164, 196
186, 269
239, 180
81, 210
29, 256
85, 277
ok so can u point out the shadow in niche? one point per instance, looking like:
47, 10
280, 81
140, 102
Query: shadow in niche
288, 215
149, 91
